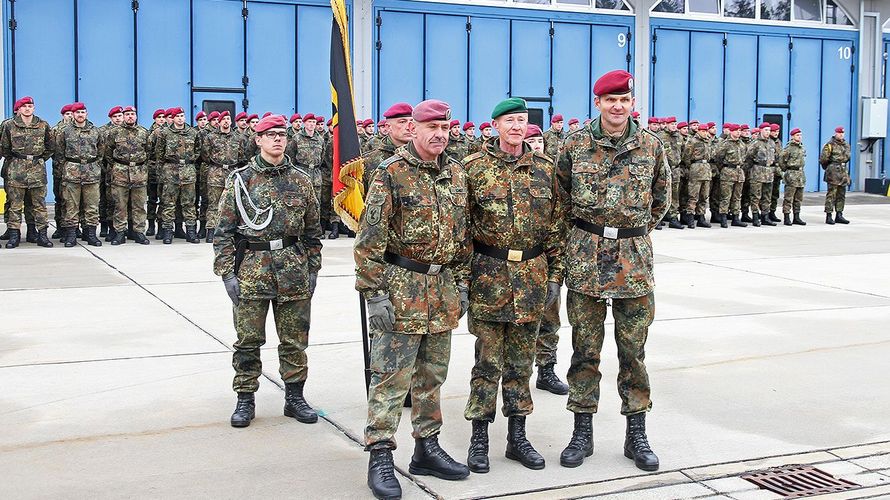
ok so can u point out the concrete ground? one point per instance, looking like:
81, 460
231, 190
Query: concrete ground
770, 347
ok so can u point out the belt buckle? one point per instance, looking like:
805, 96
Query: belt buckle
276, 244
29, 157
182, 162
434, 269
610, 232
514, 255
132, 164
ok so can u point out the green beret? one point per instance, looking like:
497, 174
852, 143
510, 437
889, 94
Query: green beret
511, 105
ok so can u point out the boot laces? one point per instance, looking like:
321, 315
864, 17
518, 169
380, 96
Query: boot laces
479, 442
298, 401
433, 448
243, 406
521, 443
638, 437
384, 466
579, 440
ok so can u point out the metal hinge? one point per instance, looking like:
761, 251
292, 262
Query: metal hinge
654, 59
629, 36
550, 91
469, 26
790, 45
552, 31
378, 21
13, 24
627, 57
245, 103
244, 12
245, 80
550, 110
134, 5
789, 98
379, 45
725, 41
655, 37
852, 68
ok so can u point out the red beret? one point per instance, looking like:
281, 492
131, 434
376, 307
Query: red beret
367, 122
839, 130
271, 121
774, 126
652, 119
431, 110
21, 102
682, 125
170, 112
732, 127
308, 116
115, 110
294, 117
320, 118
157, 113
330, 121
454, 123
614, 82
573, 121
200, 115
671, 119
556, 118
241, 116
129, 109
214, 115
175, 111
635, 114
693, 122
77, 106
533, 131
484, 126
381, 123
253, 117
65, 109
756, 130
267, 114
764, 125
398, 110
358, 123
712, 125
727, 125
223, 114
795, 131
743, 126
470, 124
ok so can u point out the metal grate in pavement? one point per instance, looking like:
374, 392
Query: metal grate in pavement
798, 481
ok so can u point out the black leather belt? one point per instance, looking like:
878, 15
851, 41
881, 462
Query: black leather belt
507, 253
26, 157
612, 233
412, 265
223, 165
79, 161
274, 244
181, 162
130, 163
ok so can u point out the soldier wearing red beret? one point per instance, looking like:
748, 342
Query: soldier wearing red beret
177, 148
761, 158
834, 158
306, 151
296, 123
106, 201
242, 124
554, 136
777, 175
458, 146
574, 125
398, 119
793, 163
672, 141
126, 154
63, 122
153, 190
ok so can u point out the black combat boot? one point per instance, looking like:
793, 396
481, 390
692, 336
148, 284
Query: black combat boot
120, 237
715, 217
723, 221
92, 239
381, 476
673, 223
430, 459
43, 239
746, 217
703, 222
797, 220
839, 218
178, 231
636, 444
151, 228
660, 223
167, 236
103, 229
5, 235
202, 230
689, 221
141, 239
581, 444
518, 447
548, 381
297, 407
191, 235
69, 238
477, 456
31, 234
828, 219
766, 221
59, 233
111, 235
773, 218
738, 223
787, 220
335, 232
755, 219
160, 234
81, 232
349, 232
209, 238
245, 410
15, 237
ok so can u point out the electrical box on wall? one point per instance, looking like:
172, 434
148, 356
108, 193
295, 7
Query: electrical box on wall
874, 118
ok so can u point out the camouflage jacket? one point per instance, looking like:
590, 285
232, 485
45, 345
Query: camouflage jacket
375, 157
697, 156
513, 203
620, 183
474, 145
552, 139
777, 145
176, 151
81, 151
281, 275
730, 156
222, 152
794, 161
672, 149
19, 141
307, 153
834, 157
416, 209
126, 150
457, 148
153, 165
761, 158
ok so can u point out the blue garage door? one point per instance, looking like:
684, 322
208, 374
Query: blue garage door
571, 70
837, 92
314, 56
399, 59
163, 64
217, 58
489, 66
670, 74
530, 76
272, 39
885, 165
706, 77
105, 27
806, 82
740, 85
446, 40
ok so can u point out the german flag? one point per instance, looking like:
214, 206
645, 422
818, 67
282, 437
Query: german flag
348, 190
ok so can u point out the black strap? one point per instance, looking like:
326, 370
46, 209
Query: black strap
78, 160
130, 163
411, 265
25, 157
267, 245
506, 253
624, 232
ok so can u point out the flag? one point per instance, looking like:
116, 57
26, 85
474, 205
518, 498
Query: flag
347, 189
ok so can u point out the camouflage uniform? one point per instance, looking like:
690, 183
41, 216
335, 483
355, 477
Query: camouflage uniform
697, 157
777, 176
81, 150
730, 155
620, 182
57, 177
106, 200
834, 157
221, 152
176, 151
127, 154
761, 158
457, 148
552, 140
513, 203
793, 163
201, 199
375, 157
672, 150
280, 277
307, 152
25, 149
416, 210
155, 180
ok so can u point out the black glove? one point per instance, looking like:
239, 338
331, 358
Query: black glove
313, 281
553, 292
381, 314
464, 300
232, 288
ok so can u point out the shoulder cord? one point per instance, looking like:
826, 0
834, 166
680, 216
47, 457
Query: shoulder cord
250, 222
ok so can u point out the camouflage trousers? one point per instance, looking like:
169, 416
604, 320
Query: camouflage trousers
401, 362
505, 353
201, 192
714, 197
698, 192
674, 209
326, 205
548, 335
19, 198
730, 197
154, 198
683, 197
587, 316
835, 198
760, 193
793, 199
292, 325
184, 196
129, 205
212, 199
106, 200
81, 202
58, 199
746, 191
774, 194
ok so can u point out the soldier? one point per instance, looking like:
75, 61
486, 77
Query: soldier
554, 136
654, 125
57, 173
362, 137
80, 149
398, 116
834, 157
222, 152
793, 162
469, 129
106, 203
201, 120
252, 121
714, 194
153, 192
683, 186
617, 182
670, 139
574, 125
777, 175
516, 271
241, 123
213, 118
307, 152
126, 150
730, 156
697, 157
374, 139
177, 149
457, 143
761, 160
485, 130
201, 203
26, 142
296, 123
412, 255
268, 250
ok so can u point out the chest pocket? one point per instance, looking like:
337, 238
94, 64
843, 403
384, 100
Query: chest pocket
295, 206
418, 218
586, 179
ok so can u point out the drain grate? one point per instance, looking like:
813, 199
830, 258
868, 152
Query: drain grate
797, 481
